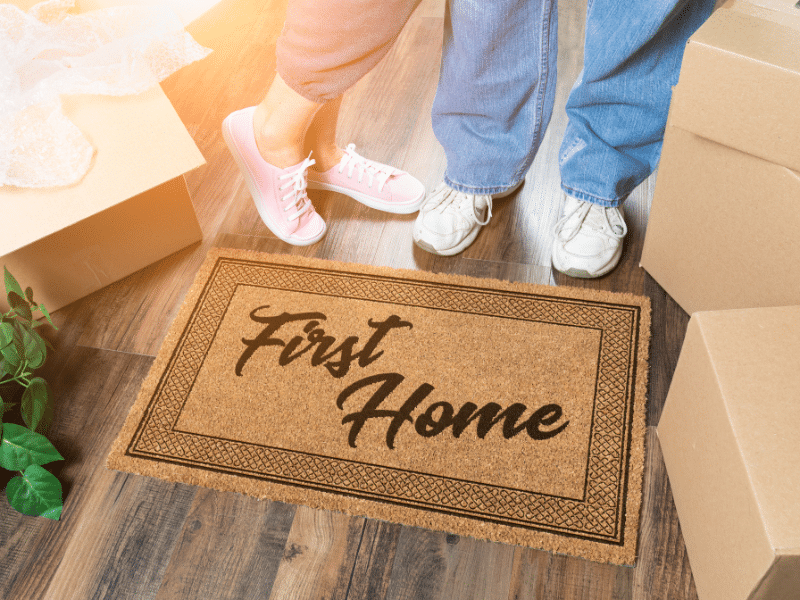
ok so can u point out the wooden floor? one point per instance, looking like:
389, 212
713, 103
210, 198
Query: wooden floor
125, 536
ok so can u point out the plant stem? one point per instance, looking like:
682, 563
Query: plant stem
18, 378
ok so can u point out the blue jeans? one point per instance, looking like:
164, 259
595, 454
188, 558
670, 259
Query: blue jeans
497, 87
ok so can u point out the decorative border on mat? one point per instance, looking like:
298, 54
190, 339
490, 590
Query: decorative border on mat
599, 516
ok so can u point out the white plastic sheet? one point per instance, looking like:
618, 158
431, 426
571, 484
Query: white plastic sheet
48, 52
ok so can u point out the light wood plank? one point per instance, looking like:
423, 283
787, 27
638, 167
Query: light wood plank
319, 556
540, 574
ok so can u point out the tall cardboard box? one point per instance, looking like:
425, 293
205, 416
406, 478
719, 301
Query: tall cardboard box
730, 435
723, 228
131, 209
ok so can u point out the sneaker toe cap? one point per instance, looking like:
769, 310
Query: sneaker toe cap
586, 258
406, 190
311, 230
439, 231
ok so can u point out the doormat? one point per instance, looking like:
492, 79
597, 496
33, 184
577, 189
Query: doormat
502, 411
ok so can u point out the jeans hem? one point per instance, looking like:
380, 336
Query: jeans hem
592, 198
481, 191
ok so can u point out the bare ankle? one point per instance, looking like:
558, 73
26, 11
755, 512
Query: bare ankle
327, 158
273, 145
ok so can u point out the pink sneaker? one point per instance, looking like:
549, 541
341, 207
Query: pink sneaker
279, 194
377, 185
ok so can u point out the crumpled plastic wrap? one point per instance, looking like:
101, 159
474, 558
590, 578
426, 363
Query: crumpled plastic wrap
49, 52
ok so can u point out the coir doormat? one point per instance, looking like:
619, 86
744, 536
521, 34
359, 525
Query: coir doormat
508, 412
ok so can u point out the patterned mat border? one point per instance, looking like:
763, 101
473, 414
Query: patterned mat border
599, 516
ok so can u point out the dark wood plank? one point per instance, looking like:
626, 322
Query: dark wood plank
124, 541
669, 328
662, 570
433, 565
230, 548
374, 561
116, 530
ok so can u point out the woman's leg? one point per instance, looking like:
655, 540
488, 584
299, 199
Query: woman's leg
321, 136
325, 47
280, 124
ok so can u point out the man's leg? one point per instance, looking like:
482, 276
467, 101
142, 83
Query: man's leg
617, 115
493, 104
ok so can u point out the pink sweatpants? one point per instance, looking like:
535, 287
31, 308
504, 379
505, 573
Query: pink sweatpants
328, 45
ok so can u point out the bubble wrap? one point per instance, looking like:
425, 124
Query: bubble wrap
48, 52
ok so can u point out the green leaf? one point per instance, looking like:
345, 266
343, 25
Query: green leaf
35, 400
36, 493
54, 513
43, 310
12, 285
5, 367
22, 308
6, 334
35, 350
21, 447
29, 295
12, 355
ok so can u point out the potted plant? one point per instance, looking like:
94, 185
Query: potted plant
23, 445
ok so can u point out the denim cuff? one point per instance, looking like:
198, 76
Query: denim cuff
483, 191
616, 202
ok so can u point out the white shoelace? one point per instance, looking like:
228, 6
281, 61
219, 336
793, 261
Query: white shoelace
584, 213
464, 204
374, 171
297, 197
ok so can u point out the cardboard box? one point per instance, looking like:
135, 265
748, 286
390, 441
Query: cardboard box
722, 231
131, 209
730, 436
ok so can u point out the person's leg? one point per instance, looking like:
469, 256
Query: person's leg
320, 137
492, 106
617, 115
496, 90
325, 47
280, 123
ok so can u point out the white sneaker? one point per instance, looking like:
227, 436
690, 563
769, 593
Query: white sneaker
449, 220
588, 239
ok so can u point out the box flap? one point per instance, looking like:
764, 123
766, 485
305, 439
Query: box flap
706, 243
140, 143
756, 355
739, 85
